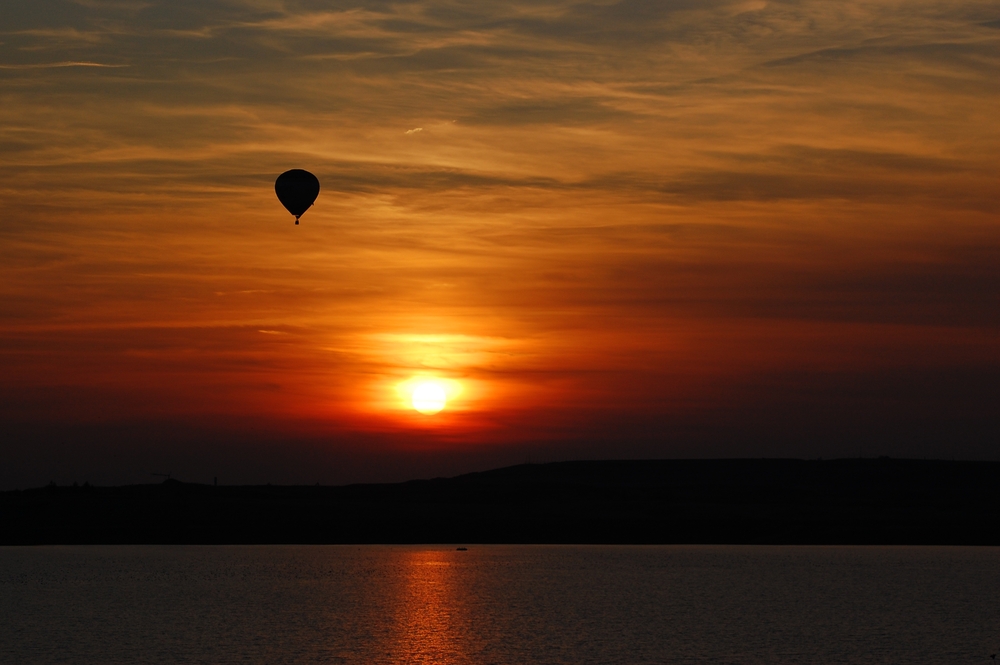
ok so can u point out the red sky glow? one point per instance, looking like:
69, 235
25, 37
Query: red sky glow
611, 229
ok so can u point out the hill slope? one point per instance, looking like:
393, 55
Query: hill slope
652, 501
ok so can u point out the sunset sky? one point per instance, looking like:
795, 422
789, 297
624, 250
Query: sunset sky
606, 229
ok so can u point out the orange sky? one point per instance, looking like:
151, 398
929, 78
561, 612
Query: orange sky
619, 229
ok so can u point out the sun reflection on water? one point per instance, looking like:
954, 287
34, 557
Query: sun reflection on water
429, 623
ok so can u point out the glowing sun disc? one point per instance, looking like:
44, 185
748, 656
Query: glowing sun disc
429, 397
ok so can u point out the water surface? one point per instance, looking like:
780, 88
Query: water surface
499, 604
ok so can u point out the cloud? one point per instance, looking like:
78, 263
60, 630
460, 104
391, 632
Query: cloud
59, 65
64, 35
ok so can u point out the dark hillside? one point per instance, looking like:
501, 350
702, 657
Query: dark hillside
851, 501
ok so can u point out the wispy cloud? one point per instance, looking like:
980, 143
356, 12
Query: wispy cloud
58, 65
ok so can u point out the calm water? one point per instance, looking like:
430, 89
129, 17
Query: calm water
499, 604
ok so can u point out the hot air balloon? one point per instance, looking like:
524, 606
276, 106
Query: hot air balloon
296, 189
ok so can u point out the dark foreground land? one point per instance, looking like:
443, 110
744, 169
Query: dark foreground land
874, 501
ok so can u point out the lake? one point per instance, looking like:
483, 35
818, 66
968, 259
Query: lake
499, 604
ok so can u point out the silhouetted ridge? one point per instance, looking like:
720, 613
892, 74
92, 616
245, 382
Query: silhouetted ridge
879, 501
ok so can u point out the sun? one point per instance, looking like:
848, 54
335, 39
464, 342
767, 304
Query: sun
429, 394
428, 397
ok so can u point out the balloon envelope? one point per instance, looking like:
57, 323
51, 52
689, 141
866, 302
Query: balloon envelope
297, 190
